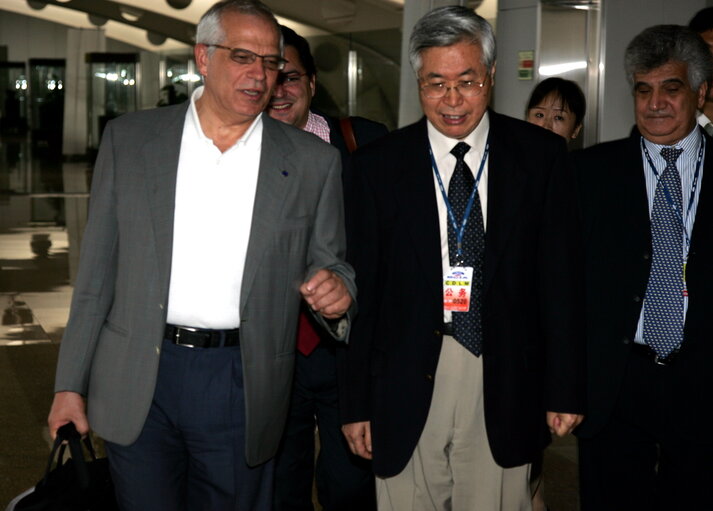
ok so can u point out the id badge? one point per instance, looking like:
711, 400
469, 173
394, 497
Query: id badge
456, 289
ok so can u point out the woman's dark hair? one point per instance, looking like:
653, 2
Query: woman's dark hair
567, 91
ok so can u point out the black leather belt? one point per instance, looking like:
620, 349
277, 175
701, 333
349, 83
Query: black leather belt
647, 352
201, 337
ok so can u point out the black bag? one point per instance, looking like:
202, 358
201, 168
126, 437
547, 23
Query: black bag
76, 484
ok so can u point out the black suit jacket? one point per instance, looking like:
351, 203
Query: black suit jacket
617, 233
531, 302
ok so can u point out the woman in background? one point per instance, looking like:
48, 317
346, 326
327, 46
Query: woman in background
558, 105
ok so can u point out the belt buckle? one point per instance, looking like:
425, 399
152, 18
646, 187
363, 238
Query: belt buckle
178, 335
667, 360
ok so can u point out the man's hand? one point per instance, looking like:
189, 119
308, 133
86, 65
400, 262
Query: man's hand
67, 407
326, 293
358, 436
563, 423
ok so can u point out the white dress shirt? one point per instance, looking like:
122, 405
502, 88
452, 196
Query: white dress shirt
215, 194
441, 146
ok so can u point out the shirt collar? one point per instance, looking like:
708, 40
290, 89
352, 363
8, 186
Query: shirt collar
196, 124
702, 119
441, 145
690, 144
317, 125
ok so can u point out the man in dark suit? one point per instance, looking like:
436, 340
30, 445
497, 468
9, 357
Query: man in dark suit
344, 481
467, 344
646, 204
209, 223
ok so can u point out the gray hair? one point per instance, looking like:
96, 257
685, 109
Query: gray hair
210, 29
452, 24
661, 44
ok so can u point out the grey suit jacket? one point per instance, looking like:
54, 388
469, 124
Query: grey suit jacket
112, 343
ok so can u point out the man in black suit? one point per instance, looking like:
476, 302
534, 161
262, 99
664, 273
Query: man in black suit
467, 344
649, 288
344, 481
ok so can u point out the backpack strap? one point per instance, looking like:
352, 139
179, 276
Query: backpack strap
345, 123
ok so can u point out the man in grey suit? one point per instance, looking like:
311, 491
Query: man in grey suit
209, 221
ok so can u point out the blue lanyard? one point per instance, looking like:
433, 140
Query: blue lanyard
667, 193
451, 215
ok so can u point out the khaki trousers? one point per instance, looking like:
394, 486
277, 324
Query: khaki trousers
452, 468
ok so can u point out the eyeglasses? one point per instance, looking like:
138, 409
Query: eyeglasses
291, 79
466, 88
241, 56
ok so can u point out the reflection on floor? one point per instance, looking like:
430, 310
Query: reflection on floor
34, 289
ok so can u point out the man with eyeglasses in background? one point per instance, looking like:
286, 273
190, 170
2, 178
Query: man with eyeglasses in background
344, 481
209, 223
467, 351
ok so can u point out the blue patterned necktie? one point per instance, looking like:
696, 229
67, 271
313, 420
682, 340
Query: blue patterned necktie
663, 304
467, 328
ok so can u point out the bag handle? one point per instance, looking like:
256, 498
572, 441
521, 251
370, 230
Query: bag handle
345, 123
68, 435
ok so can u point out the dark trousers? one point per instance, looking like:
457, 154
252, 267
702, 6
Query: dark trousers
344, 481
643, 459
191, 452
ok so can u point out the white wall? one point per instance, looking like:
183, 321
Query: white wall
516, 30
29, 38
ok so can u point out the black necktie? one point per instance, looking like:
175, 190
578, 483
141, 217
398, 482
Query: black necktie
663, 303
467, 328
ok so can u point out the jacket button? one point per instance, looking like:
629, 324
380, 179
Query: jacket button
429, 377
437, 333
626, 340
637, 299
647, 256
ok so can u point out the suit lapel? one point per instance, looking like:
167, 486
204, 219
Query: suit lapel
161, 160
632, 197
506, 186
415, 198
272, 186
703, 224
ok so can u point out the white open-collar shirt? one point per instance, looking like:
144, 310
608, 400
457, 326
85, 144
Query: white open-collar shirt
215, 195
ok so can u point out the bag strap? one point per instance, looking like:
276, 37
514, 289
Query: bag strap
345, 123
57, 446
68, 435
